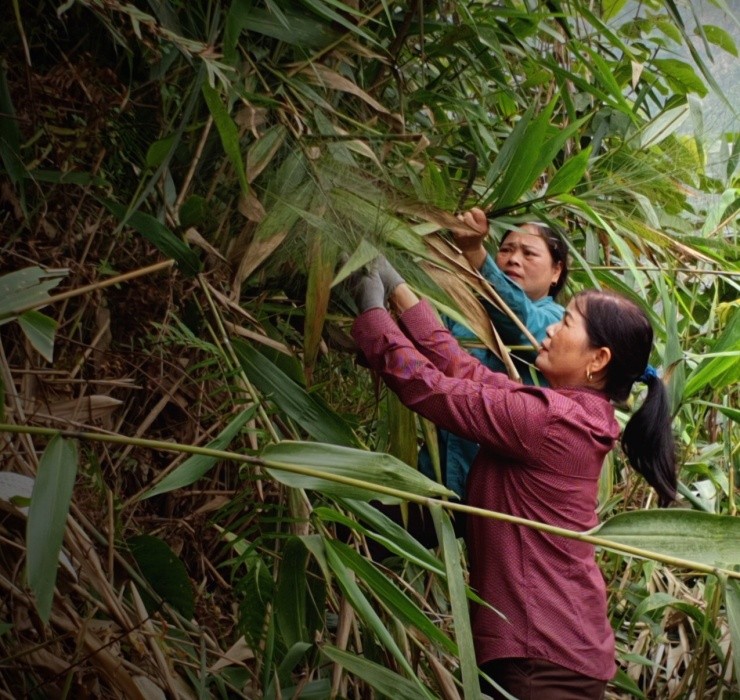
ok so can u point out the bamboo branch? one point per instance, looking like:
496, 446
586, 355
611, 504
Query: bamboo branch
377, 488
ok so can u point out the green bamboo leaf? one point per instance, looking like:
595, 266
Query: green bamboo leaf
705, 538
508, 149
723, 370
681, 76
157, 234
731, 413
661, 600
291, 593
322, 8
302, 30
391, 597
570, 174
385, 531
362, 606
282, 678
720, 37
660, 128
164, 572
308, 410
24, 288
198, 466
370, 467
458, 602
383, 680
229, 134
47, 519
10, 134
732, 605
39, 329
157, 153
402, 432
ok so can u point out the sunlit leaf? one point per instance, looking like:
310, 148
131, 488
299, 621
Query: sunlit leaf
316, 460
705, 538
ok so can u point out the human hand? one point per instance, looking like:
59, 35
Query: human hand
367, 289
388, 275
471, 242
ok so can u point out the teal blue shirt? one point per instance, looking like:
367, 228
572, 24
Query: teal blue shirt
456, 454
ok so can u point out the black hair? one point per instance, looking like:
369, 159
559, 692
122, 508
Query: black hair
617, 323
557, 247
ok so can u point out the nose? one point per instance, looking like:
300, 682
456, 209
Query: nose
515, 257
552, 329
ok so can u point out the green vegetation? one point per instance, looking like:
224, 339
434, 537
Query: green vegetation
190, 447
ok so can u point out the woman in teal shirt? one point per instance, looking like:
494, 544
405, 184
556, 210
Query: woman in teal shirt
530, 268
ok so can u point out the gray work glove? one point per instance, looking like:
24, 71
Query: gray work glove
388, 275
366, 288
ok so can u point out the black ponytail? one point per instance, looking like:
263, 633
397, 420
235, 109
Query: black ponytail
647, 441
614, 322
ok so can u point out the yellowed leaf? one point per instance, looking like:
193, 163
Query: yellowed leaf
324, 76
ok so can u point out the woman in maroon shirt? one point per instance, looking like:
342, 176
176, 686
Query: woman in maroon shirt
541, 455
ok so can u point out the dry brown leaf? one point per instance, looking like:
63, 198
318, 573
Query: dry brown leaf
458, 286
258, 337
450, 256
324, 76
256, 253
236, 655
192, 235
445, 679
255, 167
84, 408
251, 208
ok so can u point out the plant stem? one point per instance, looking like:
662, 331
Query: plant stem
377, 488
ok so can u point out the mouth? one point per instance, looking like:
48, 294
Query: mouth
513, 275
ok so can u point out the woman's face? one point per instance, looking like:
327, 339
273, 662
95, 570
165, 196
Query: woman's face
566, 356
525, 258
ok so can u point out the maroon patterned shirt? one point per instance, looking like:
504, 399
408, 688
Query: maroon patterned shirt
540, 458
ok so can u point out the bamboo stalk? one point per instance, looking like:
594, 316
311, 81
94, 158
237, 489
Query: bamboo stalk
118, 279
377, 488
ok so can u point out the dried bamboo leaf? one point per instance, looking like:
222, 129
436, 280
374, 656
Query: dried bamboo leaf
235, 655
88, 408
251, 208
322, 75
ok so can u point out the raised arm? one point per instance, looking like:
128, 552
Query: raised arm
535, 315
485, 407
433, 340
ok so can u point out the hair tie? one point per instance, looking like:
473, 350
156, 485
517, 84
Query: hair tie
649, 373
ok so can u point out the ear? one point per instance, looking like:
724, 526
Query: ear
557, 270
600, 359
